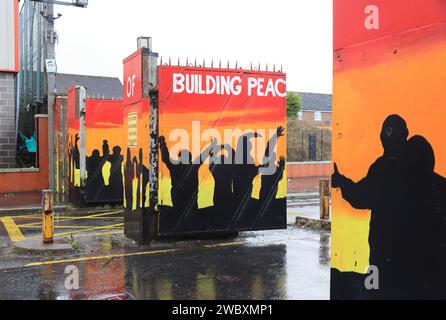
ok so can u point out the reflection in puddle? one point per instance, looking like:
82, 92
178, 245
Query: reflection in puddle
217, 274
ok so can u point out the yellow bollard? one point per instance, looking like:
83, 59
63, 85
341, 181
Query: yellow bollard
47, 216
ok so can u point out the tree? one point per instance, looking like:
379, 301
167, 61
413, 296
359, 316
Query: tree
293, 104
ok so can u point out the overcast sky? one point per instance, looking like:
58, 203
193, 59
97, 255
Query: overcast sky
294, 33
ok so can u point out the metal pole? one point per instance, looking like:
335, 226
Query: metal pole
322, 145
324, 193
51, 85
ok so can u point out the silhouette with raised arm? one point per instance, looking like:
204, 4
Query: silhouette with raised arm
245, 169
184, 176
270, 183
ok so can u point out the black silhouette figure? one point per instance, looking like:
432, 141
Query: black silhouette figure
245, 169
426, 224
270, 183
142, 173
105, 150
70, 157
383, 192
115, 187
129, 175
95, 182
184, 176
222, 169
74, 164
136, 166
76, 153
407, 226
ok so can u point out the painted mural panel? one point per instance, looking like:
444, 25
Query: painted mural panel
222, 150
104, 140
135, 135
74, 177
136, 148
103, 150
389, 209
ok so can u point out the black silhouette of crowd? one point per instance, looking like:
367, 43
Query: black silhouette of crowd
95, 190
233, 172
135, 168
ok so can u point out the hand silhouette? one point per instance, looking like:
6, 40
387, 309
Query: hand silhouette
336, 177
280, 131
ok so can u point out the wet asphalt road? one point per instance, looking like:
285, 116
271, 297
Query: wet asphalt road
281, 264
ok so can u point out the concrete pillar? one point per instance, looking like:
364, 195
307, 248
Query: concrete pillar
7, 120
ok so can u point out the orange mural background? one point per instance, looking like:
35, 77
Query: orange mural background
103, 121
403, 74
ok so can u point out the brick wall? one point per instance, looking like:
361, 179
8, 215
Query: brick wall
309, 169
308, 118
7, 121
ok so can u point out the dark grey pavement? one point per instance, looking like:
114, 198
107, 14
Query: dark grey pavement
282, 264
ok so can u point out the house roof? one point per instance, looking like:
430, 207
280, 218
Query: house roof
97, 87
316, 101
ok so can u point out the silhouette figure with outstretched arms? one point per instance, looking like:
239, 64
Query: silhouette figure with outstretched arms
184, 175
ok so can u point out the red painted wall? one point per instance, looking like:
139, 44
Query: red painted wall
394, 17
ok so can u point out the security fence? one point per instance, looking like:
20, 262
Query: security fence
309, 145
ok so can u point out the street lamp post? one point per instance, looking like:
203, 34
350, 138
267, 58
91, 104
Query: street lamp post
75, 3
50, 59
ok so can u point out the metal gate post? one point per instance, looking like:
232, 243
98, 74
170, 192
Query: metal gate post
141, 148
324, 193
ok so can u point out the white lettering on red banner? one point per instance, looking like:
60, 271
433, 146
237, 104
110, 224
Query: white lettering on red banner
227, 85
